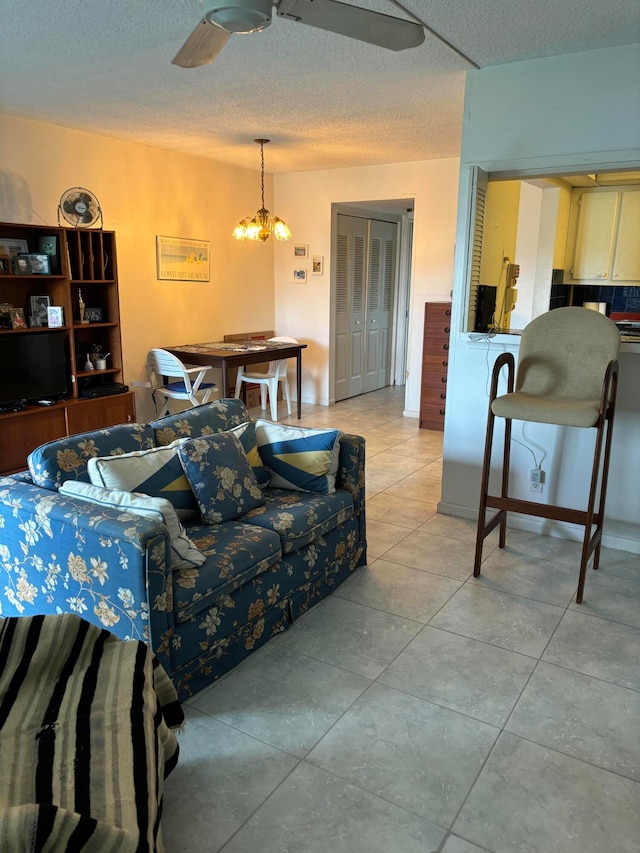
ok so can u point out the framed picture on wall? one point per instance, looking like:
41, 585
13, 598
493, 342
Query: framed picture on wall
317, 265
300, 251
300, 276
182, 259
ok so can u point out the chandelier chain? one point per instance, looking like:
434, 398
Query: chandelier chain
262, 170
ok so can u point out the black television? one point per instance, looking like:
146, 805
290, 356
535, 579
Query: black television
32, 367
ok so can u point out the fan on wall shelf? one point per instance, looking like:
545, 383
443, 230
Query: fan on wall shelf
80, 208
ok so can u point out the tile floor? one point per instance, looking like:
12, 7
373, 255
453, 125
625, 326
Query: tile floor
417, 709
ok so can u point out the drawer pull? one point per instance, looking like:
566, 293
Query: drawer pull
447, 313
447, 329
443, 396
445, 363
445, 346
444, 379
442, 412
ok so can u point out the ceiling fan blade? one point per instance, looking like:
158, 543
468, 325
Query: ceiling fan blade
354, 22
202, 46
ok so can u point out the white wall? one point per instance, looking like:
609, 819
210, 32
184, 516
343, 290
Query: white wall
560, 115
143, 192
527, 245
304, 200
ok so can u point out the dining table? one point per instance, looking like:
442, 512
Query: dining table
228, 354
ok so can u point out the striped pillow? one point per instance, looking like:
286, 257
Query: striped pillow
247, 435
156, 472
298, 458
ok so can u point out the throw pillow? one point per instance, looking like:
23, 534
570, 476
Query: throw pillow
184, 553
247, 435
301, 459
156, 472
220, 475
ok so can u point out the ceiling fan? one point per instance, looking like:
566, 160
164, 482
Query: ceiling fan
224, 18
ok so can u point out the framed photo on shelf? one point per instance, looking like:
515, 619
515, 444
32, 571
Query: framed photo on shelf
13, 246
300, 251
38, 263
5, 264
55, 316
93, 315
300, 276
39, 305
20, 265
17, 318
317, 265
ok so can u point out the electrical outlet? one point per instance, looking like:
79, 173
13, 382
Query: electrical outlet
536, 480
536, 487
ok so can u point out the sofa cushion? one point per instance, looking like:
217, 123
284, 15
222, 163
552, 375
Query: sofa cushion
300, 519
235, 554
219, 473
184, 553
211, 417
249, 441
156, 472
66, 458
299, 458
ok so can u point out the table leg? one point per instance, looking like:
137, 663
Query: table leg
225, 379
299, 382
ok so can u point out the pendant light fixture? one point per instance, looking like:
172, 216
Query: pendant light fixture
263, 224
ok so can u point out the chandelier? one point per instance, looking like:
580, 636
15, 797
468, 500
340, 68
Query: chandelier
263, 223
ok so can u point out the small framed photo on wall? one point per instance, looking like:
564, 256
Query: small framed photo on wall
317, 265
300, 251
300, 276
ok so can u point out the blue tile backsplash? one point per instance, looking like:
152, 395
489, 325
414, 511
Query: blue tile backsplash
618, 298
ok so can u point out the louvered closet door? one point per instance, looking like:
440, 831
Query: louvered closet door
350, 306
379, 304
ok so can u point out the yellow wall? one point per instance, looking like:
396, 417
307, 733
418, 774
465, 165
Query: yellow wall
500, 229
143, 192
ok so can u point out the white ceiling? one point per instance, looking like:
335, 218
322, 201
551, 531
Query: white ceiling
104, 66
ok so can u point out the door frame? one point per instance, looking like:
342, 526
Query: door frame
400, 325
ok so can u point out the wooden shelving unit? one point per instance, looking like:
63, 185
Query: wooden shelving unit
85, 263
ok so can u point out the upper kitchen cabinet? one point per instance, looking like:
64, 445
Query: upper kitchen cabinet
603, 245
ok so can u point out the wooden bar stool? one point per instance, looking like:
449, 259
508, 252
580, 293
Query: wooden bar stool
567, 375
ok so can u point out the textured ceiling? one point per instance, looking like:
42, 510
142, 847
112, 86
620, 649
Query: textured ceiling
104, 66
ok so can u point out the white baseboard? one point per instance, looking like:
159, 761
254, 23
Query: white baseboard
617, 535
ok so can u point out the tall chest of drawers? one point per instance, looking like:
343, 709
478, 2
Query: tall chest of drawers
435, 360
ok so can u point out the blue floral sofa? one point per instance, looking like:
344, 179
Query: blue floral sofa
255, 575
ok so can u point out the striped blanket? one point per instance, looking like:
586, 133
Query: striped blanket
85, 738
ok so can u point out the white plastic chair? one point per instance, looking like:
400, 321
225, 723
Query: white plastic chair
161, 364
268, 382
